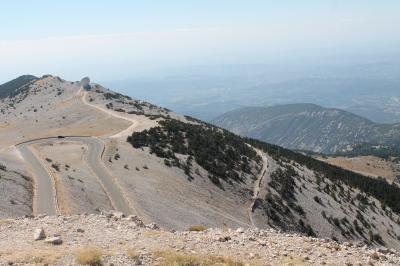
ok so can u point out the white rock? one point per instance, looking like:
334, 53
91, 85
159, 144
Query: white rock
383, 250
262, 243
153, 226
55, 240
240, 230
118, 215
39, 234
136, 220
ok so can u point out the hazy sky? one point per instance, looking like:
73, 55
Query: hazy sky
118, 39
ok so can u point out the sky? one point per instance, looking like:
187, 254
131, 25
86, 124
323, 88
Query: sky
111, 40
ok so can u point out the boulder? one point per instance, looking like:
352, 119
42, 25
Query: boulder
153, 226
39, 234
224, 238
374, 255
55, 240
136, 220
240, 230
118, 215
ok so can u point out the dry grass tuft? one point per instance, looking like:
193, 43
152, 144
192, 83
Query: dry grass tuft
294, 261
153, 233
172, 258
33, 256
132, 254
89, 256
2, 222
197, 228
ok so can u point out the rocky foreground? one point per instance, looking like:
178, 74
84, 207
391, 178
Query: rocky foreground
112, 239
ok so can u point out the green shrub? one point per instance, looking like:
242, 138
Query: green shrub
221, 153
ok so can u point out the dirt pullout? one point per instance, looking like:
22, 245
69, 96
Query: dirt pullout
78, 189
366, 165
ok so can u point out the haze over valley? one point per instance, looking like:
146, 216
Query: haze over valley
370, 90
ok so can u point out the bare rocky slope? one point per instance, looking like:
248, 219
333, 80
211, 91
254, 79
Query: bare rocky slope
99, 150
308, 127
115, 240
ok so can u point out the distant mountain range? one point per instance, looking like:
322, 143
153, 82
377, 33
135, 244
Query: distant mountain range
368, 90
308, 127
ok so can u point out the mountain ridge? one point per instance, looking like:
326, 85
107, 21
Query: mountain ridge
10, 87
307, 127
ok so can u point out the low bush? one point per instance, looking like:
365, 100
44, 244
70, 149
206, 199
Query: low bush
89, 256
197, 228
171, 258
220, 152
132, 254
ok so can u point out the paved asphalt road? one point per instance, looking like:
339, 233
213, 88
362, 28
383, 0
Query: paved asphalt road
45, 194
96, 164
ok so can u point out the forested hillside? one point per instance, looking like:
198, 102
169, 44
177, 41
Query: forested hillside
10, 87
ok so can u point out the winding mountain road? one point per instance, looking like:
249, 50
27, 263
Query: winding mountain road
122, 134
45, 196
257, 186
45, 193
114, 192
